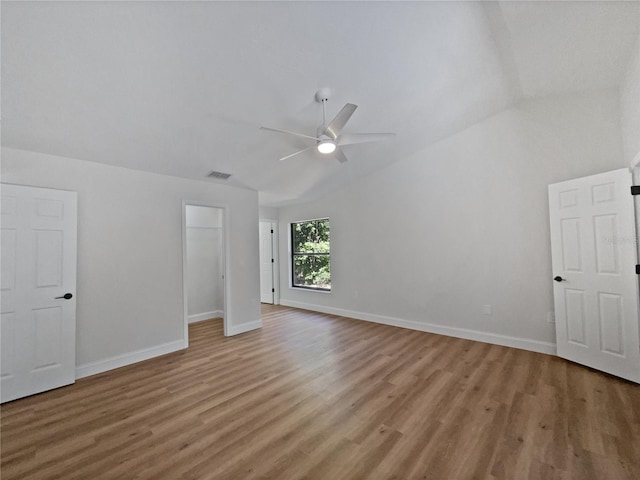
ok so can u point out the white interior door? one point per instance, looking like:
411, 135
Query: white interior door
593, 246
267, 261
38, 329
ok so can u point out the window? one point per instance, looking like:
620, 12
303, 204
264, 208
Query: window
310, 257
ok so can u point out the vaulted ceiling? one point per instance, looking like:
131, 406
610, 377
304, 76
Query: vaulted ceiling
180, 88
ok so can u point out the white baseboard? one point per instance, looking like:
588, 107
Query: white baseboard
245, 327
125, 359
199, 317
497, 339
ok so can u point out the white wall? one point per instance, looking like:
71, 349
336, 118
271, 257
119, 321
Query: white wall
269, 213
205, 286
428, 241
630, 107
130, 291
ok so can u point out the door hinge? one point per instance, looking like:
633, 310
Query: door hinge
635, 189
271, 231
272, 260
637, 269
273, 290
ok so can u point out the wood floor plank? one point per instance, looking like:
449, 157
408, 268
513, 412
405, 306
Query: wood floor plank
317, 396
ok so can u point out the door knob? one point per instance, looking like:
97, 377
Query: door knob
66, 296
558, 279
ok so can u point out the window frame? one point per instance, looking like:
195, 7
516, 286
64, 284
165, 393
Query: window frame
293, 254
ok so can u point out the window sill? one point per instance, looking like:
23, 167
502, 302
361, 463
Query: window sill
302, 289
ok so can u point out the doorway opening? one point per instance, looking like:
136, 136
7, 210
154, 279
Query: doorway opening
204, 257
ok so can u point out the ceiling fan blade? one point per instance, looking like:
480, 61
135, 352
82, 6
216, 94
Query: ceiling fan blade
288, 132
340, 156
298, 152
338, 123
352, 138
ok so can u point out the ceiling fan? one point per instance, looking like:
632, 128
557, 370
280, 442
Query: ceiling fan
329, 138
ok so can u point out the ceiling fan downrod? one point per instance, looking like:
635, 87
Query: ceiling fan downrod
322, 96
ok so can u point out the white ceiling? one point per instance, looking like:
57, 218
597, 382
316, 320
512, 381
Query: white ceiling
181, 88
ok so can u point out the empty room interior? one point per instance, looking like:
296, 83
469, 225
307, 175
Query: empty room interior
360, 240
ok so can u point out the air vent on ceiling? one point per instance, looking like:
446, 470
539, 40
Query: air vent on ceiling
219, 175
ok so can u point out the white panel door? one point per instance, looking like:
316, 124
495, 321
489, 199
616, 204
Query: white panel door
266, 262
38, 324
593, 247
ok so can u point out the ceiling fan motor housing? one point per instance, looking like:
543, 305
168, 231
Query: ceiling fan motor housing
321, 133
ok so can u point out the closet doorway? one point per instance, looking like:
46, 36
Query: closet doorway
204, 255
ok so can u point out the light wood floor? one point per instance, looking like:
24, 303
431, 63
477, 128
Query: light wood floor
322, 397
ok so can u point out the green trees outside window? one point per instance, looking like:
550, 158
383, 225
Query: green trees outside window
311, 260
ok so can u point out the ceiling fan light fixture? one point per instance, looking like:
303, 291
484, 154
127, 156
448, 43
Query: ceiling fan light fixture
326, 146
